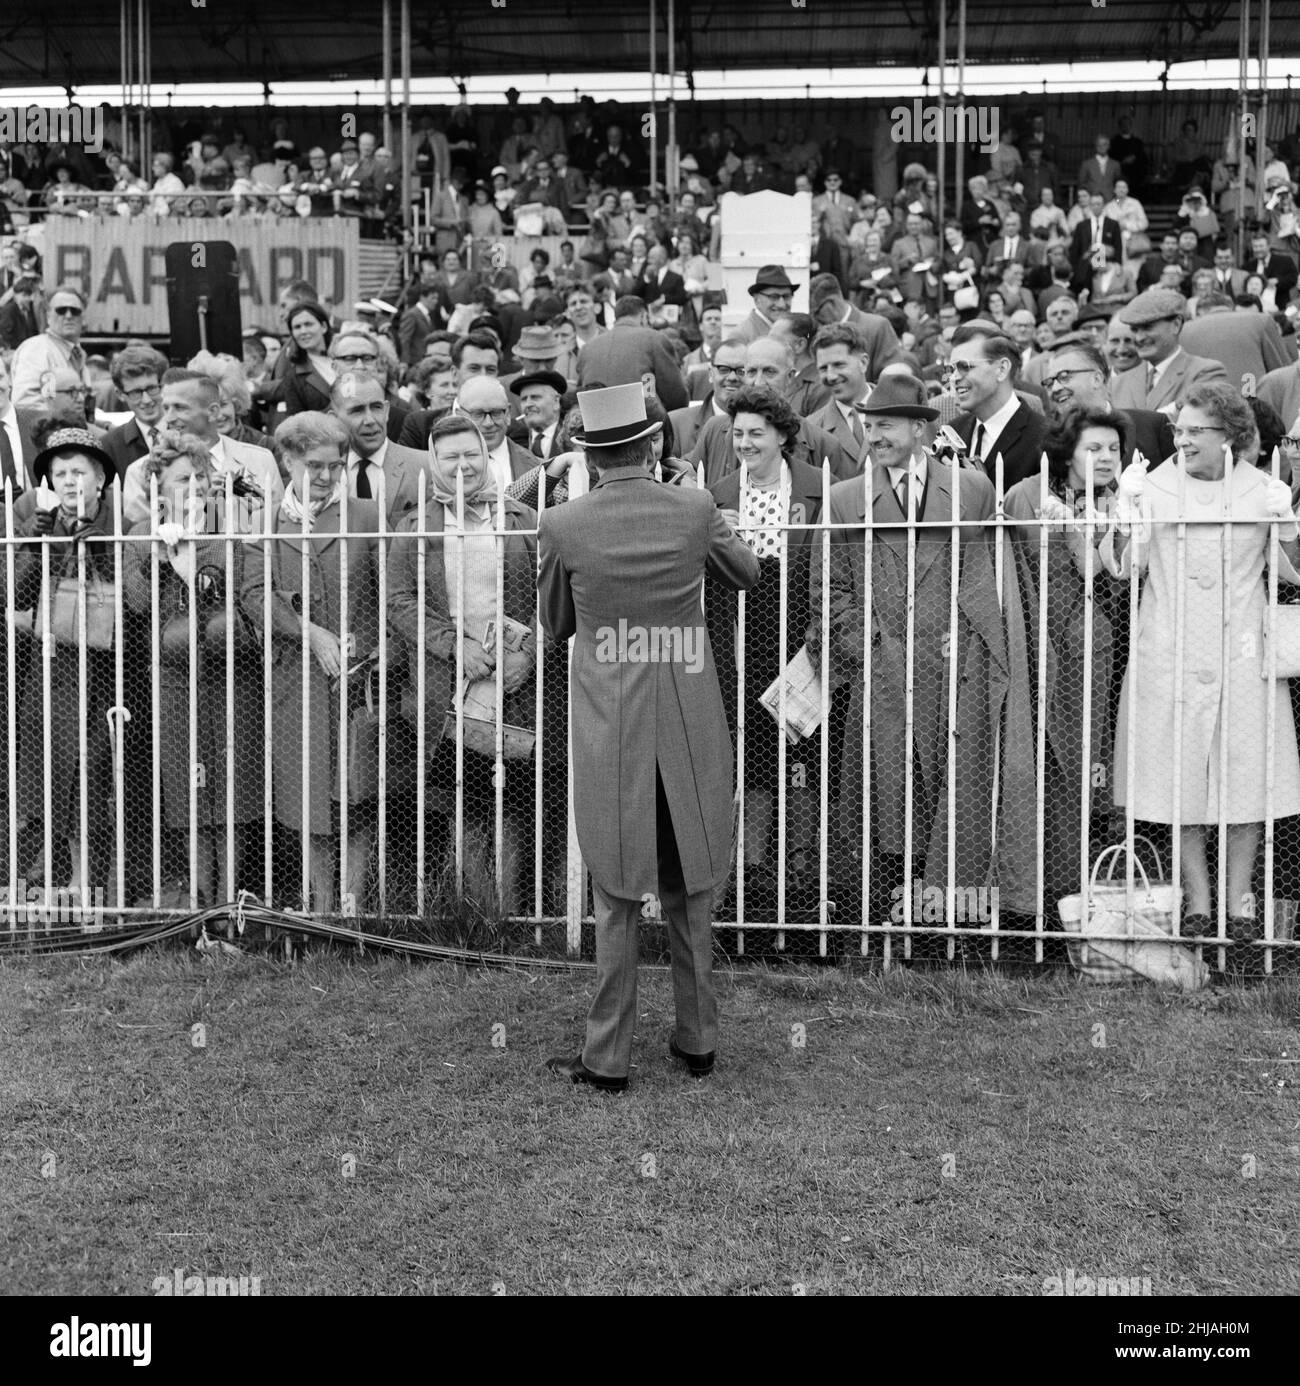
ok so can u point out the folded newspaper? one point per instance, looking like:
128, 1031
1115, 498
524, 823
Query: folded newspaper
803, 697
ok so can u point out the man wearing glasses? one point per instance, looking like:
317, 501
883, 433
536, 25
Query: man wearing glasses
482, 399
726, 375
1077, 377
137, 374
1168, 372
357, 352
57, 347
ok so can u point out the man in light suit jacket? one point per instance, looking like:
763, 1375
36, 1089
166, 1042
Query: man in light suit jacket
772, 292
631, 350
1098, 173
995, 420
18, 446
835, 212
359, 403
1246, 342
827, 305
621, 570
190, 405
1168, 372
1012, 247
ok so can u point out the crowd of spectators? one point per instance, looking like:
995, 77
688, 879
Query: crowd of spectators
1025, 319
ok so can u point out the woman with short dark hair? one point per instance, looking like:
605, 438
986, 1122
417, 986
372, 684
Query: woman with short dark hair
311, 373
779, 498
1084, 451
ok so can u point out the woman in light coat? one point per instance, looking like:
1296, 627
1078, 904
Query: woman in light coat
1184, 708
338, 640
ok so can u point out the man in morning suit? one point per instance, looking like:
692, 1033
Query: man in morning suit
621, 569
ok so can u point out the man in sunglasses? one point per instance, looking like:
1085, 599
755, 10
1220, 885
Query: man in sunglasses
59, 346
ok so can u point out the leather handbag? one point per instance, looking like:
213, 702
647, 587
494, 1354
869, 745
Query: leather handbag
65, 614
363, 745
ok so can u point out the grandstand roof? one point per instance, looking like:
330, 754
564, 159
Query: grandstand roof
77, 42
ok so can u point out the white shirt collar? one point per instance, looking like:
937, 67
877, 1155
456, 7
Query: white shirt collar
848, 410
1162, 366
376, 459
919, 470
994, 425
499, 459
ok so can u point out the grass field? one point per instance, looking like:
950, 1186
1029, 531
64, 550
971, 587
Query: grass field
921, 1132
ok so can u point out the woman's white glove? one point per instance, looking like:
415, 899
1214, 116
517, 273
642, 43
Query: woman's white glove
1054, 511
171, 534
1277, 502
1129, 492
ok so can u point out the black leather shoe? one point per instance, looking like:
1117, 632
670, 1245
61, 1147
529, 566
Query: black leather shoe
1196, 926
1243, 960
700, 1065
578, 1072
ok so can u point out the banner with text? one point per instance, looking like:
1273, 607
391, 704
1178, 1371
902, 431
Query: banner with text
120, 264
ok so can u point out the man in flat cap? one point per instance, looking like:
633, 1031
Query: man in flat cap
1168, 372
772, 292
621, 569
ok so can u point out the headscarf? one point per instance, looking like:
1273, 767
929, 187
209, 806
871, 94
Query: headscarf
478, 503
291, 506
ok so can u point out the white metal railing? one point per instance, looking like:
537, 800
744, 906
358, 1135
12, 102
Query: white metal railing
498, 832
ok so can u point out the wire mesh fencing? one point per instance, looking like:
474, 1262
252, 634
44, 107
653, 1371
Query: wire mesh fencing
946, 705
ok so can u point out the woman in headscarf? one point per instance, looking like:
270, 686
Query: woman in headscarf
319, 642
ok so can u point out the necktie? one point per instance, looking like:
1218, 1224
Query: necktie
855, 423
535, 447
1096, 231
1151, 378
1011, 247
7, 470
363, 479
901, 492
979, 441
